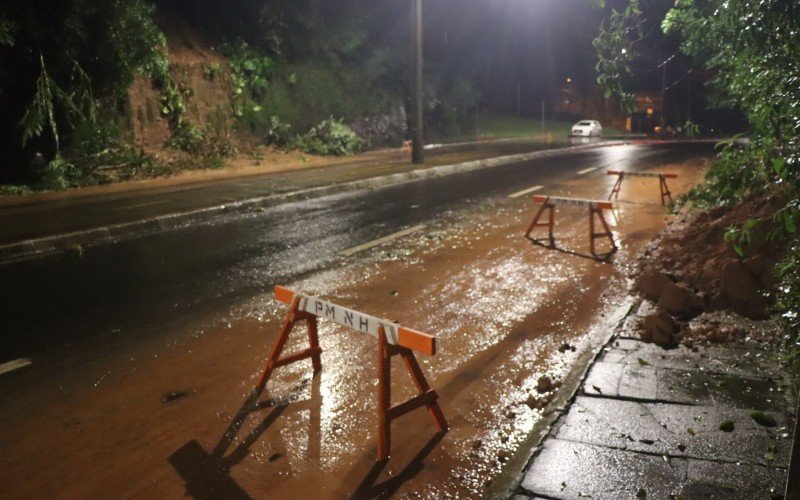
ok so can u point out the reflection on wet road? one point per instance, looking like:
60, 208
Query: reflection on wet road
144, 352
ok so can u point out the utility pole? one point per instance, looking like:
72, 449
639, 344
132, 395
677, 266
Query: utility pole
542, 117
688, 96
663, 95
519, 106
417, 146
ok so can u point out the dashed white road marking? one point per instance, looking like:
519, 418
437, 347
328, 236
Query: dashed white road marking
381, 241
14, 365
525, 191
141, 205
587, 170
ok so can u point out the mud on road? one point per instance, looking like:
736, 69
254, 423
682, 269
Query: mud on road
170, 418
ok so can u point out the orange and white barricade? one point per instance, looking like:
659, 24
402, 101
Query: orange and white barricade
393, 340
595, 211
662, 182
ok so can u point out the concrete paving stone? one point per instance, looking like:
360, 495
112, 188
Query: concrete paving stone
733, 481
621, 380
566, 469
631, 327
648, 383
665, 429
693, 387
752, 362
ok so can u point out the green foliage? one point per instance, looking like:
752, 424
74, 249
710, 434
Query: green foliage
251, 72
751, 48
615, 50
450, 106
6, 30
57, 174
788, 295
330, 137
211, 71
67, 60
279, 133
40, 112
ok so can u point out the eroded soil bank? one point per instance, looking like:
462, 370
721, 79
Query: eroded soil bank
168, 418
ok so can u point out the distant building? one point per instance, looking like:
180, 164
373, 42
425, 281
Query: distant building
581, 101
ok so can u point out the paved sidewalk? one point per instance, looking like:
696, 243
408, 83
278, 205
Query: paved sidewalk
700, 422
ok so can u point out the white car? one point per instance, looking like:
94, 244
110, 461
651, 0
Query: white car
587, 128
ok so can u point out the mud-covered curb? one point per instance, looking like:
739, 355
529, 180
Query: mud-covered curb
505, 485
77, 240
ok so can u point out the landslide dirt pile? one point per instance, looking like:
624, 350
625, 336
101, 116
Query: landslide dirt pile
203, 79
689, 269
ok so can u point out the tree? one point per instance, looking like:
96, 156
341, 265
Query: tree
753, 51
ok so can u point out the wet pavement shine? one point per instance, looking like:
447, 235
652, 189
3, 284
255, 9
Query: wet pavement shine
164, 409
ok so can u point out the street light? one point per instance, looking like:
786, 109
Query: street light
417, 146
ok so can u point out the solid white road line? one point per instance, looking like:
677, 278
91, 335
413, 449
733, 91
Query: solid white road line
525, 191
587, 170
13, 365
381, 241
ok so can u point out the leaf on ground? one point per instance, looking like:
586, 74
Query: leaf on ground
690, 431
769, 457
643, 362
667, 459
682, 447
641, 494
597, 389
763, 418
726, 425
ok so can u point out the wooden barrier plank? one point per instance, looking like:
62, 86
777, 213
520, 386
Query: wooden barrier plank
642, 174
573, 202
395, 334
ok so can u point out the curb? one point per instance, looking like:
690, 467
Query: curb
77, 240
506, 484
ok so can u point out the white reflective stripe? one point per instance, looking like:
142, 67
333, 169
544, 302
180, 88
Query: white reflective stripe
570, 202
348, 317
641, 174
380, 241
14, 365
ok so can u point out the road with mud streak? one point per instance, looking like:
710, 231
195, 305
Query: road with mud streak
144, 351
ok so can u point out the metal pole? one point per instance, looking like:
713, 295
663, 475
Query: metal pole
519, 108
542, 117
417, 145
663, 94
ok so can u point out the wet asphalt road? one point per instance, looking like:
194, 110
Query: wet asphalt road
38, 218
136, 288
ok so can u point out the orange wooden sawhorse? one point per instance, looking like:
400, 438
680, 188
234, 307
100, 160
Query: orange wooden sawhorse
393, 340
595, 210
662, 183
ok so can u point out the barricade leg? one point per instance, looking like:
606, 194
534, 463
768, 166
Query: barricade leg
549, 224
384, 397
313, 351
665, 193
427, 397
617, 186
606, 233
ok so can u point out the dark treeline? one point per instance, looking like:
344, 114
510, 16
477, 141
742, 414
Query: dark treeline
299, 67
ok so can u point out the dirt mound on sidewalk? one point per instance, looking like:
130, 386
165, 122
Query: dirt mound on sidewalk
690, 269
